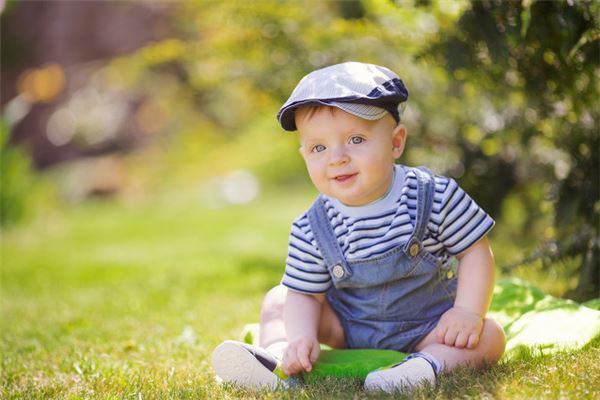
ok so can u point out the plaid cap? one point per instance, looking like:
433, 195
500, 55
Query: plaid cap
364, 90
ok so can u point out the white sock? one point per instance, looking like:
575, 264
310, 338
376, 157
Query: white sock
435, 364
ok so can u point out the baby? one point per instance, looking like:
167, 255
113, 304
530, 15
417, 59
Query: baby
371, 264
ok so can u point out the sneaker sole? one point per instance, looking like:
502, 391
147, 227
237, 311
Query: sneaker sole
234, 364
377, 384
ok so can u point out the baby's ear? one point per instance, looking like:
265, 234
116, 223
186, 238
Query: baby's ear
398, 140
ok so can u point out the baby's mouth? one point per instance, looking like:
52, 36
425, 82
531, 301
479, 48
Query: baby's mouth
344, 178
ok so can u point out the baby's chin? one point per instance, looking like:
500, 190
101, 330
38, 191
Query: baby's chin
356, 200
353, 195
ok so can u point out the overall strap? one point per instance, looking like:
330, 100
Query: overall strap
327, 241
425, 191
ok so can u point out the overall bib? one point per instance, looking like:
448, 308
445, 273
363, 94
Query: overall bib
391, 301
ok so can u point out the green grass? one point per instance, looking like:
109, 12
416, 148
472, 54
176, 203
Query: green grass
108, 300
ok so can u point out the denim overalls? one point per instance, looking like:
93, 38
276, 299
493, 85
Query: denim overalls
394, 300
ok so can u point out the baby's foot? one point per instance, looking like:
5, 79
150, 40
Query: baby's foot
415, 370
247, 366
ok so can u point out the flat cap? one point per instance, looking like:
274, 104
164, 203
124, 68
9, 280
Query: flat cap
365, 90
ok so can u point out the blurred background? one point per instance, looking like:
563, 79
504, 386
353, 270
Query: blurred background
172, 104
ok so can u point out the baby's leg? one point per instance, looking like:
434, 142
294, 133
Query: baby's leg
488, 351
272, 328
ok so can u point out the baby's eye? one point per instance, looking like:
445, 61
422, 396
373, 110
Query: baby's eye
356, 140
318, 148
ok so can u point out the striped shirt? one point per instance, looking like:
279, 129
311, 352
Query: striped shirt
456, 222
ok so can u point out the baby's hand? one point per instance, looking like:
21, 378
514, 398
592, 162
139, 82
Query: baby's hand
300, 355
460, 328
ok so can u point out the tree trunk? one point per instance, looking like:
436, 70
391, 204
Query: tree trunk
589, 275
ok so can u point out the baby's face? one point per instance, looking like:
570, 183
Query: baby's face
347, 157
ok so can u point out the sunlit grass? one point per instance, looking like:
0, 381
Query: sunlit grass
110, 300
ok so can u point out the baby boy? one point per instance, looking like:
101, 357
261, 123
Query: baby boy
370, 263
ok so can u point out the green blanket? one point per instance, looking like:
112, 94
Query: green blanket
533, 322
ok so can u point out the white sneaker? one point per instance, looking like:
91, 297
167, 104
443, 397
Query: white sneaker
405, 376
246, 366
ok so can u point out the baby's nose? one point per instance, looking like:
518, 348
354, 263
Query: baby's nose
338, 155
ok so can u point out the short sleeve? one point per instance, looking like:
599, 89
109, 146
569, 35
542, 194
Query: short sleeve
462, 221
305, 270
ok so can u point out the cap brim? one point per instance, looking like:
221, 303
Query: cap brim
363, 111
287, 116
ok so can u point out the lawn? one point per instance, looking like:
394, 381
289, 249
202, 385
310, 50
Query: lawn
118, 300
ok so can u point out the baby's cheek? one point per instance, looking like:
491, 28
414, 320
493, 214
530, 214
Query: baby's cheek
317, 176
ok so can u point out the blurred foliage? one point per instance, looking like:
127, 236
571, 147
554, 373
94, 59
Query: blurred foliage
534, 66
503, 97
22, 191
15, 179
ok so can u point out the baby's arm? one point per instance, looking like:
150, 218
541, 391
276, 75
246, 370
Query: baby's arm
301, 316
461, 325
